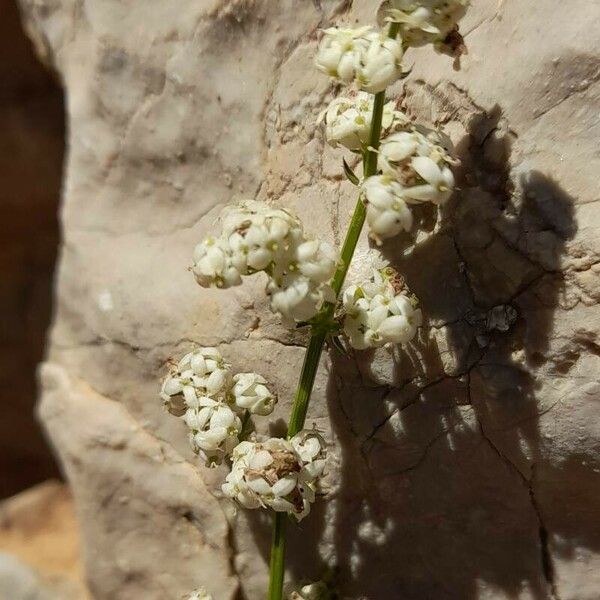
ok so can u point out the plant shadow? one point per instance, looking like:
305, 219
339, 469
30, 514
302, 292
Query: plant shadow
446, 491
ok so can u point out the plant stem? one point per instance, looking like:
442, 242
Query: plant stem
319, 334
277, 557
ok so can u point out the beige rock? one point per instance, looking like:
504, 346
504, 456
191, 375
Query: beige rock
39, 545
465, 466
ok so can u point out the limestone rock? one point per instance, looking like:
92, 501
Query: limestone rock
453, 459
39, 546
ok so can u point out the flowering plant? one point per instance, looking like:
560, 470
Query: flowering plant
404, 165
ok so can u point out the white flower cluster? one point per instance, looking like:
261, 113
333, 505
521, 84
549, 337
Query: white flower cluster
257, 237
200, 594
379, 312
365, 56
348, 121
213, 404
426, 21
415, 165
277, 473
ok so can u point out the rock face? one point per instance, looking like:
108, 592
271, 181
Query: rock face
39, 546
466, 466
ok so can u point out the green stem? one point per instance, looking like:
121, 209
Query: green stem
277, 557
319, 334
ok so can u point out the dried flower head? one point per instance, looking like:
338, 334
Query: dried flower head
277, 473
426, 21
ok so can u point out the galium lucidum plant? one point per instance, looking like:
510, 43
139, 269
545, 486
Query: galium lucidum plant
404, 164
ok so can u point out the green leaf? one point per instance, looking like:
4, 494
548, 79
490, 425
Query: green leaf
350, 173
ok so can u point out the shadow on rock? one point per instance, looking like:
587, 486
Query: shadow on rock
445, 485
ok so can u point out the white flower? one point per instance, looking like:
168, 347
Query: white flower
426, 21
200, 594
315, 260
213, 264
348, 120
257, 237
299, 285
381, 65
273, 474
340, 50
438, 181
298, 298
363, 55
199, 374
387, 211
214, 405
251, 393
419, 160
215, 428
378, 312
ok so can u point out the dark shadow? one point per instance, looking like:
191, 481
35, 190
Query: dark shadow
445, 488
31, 153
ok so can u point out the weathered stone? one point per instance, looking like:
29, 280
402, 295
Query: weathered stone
452, 459
39, 546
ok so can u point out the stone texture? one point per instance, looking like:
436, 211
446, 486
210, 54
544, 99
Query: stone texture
39, 546
463, 467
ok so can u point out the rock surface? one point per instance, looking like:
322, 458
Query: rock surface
466, 466
40, 557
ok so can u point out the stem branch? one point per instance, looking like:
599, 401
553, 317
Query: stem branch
318, 335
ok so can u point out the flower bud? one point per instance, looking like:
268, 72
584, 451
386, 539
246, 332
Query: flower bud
274, 474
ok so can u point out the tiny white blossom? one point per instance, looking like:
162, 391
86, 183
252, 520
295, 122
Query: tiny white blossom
387, 211
348, 120
251, 393
274, 474
426, 21
199, 374
340, 50
200, 594
381, 65
378, 312
316, 260
298, 298
419, 160
364, 55
213, 264
215, 428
